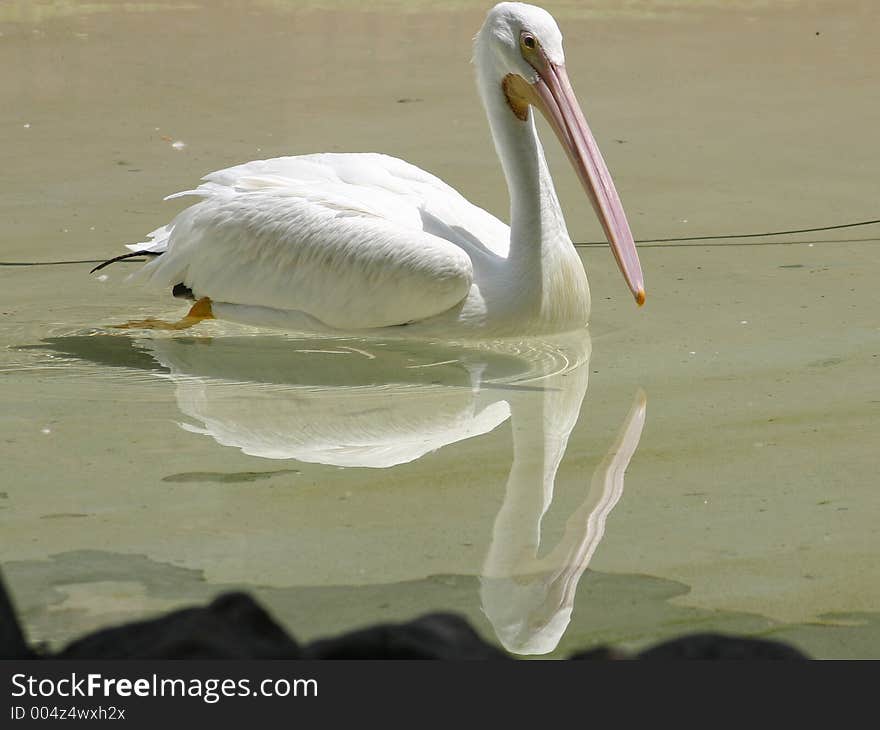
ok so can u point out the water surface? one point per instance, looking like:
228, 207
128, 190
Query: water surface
347, 481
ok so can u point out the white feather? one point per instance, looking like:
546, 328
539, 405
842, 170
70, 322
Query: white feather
354, 240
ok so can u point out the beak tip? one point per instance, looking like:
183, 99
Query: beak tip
640, 296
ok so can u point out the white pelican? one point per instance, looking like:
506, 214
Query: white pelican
354, 242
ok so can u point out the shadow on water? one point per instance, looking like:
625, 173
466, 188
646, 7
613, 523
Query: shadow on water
629, 609
378, 404
282, 361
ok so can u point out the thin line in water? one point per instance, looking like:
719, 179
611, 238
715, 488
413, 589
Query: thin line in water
681, 240
65, 263
722, 236
697, 244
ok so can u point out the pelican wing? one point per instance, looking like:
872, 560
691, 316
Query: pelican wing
353, 240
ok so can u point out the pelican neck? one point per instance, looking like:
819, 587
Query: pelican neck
537, 227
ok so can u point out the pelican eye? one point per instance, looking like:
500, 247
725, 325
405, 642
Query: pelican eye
528, 41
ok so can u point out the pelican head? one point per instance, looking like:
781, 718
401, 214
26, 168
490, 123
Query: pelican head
524, 47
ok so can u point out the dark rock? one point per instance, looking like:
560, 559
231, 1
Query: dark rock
434, 636
600, 653
719, 646
233, 626
12, 643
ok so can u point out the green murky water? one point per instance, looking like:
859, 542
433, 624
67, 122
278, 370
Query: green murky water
346, 481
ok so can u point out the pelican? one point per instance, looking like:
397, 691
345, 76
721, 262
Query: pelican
367, 242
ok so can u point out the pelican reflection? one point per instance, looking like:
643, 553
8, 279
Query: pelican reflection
377, 404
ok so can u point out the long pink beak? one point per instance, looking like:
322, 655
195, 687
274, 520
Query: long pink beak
555, 98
